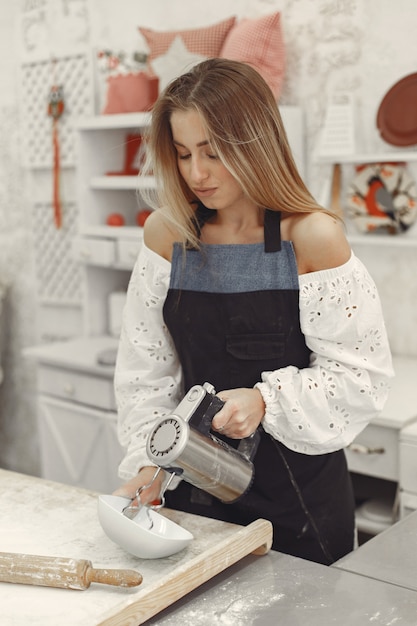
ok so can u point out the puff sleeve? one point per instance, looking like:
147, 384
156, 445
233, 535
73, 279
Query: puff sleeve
147, 377
323, 407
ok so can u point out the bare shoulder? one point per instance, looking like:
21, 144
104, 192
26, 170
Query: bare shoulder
319, 241
159, 235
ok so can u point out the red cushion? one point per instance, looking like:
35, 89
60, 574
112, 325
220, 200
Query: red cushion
259, 42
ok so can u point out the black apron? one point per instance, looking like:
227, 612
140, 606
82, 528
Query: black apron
233, 312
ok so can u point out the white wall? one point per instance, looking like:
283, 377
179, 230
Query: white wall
362, 46
18, 437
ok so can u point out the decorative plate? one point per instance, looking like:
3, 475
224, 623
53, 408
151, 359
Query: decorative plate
382, 197
397, 114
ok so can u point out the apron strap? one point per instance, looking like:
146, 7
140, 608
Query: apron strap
272, 226
272, 230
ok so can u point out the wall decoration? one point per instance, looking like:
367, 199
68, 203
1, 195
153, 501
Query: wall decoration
397, 114
34, 27
52, 26
75, 73
382, 197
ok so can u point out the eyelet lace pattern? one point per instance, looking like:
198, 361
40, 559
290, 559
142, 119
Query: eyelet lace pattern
148, 377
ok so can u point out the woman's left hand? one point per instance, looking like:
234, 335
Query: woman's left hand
241, 414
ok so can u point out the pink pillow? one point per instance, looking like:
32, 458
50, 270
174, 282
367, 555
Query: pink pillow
259, 43
205, 41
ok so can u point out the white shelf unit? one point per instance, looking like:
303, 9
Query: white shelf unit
110, 122
107, 253
371, 157
120, 183
76, 405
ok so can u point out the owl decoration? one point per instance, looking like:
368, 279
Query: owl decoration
56, 101
55, 110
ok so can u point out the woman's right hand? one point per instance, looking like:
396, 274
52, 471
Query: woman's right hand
144, 477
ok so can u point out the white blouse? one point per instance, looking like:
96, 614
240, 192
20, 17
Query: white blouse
315, 410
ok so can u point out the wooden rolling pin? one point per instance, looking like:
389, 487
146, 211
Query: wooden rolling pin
54, 571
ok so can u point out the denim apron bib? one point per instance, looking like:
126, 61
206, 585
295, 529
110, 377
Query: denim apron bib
233, 312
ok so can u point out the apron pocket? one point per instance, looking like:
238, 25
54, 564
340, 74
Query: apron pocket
250, 354
260, 347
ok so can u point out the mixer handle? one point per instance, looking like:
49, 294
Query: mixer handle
247, 446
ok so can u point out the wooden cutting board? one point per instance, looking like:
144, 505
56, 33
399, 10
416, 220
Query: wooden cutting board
46, 518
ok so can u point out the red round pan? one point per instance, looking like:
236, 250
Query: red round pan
397, 114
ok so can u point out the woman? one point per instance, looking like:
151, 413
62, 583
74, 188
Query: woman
243, 281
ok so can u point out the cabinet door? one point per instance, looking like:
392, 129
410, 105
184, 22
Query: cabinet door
80, 387
94, 250
78, 445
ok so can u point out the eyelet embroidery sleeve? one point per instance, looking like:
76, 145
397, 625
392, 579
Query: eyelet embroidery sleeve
147, 378
323, 407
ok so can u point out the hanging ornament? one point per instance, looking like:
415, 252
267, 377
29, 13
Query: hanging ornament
55, 110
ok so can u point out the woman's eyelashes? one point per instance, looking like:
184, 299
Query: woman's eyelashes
184, 157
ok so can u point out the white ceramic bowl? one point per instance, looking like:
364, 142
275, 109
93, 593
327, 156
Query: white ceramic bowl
133, 535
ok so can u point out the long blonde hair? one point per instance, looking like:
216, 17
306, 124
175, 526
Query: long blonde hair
244, 127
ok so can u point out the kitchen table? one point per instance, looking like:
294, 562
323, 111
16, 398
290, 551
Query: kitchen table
390, 556
42, 517
287, 591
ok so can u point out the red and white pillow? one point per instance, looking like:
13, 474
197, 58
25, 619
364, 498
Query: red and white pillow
256, 41
206, 41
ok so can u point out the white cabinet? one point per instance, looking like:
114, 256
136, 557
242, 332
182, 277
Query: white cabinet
375, 451
78, 444
376, 457
95, 251
77, 420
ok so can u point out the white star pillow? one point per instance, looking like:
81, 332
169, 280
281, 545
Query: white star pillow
176, 61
